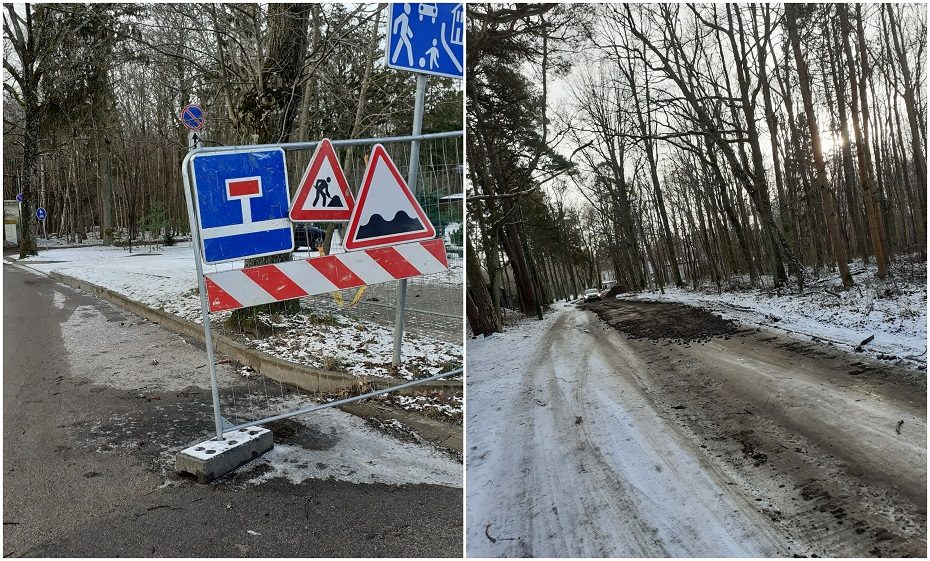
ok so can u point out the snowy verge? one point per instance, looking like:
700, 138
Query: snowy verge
166, 280
893, 310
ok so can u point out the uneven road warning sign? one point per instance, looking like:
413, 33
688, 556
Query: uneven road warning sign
239, 288
386, 212
242, 204
323, 194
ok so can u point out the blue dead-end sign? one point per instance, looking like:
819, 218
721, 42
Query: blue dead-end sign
242, 204
427, 37
40, 213
192, 117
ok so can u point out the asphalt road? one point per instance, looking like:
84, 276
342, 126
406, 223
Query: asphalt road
86, 470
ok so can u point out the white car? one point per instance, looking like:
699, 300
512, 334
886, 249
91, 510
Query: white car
592, 294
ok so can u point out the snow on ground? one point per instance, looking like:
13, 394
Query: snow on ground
166, 280
335, 444
152, 278
568, 458
55, 241
437, 404
357, 347
363, 455
894, 310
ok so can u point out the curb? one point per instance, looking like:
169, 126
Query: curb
303, 377
440, 433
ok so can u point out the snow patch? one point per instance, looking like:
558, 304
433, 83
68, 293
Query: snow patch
355, 453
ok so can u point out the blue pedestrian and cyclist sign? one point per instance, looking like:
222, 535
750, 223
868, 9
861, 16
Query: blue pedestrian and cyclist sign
40, 213
242, 204
427, 37
192, 117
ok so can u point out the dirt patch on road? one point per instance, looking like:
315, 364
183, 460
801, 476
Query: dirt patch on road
662, 320
805, 432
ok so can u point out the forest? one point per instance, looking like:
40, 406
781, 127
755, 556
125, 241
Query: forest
676, 144
93, 92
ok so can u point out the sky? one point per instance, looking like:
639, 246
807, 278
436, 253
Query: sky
561, 100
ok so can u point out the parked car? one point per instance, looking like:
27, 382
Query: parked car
307, 236
455, 250
592, 294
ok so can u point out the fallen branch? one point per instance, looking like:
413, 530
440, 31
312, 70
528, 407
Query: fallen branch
494, 540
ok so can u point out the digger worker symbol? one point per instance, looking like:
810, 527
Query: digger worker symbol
322, 190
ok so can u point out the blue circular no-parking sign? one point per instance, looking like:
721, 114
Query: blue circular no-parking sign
192, 117
19, 197
40, 213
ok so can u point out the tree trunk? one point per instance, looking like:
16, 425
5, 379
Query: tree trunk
480, 308
863, 152
267, 114
829, 205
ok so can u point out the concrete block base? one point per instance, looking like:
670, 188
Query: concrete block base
213, 459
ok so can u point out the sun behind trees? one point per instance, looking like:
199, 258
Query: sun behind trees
749, 145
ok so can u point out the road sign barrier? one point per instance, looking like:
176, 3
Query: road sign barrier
234, 192
387, 212
264, 284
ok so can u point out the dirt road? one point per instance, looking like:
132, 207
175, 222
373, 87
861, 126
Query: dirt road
667, 431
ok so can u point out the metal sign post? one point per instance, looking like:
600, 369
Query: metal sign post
415, 33
204, 308
194, 143
412, 184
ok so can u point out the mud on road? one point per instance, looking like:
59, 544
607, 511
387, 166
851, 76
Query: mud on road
828, 446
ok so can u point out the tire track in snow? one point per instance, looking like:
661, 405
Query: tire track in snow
567, 457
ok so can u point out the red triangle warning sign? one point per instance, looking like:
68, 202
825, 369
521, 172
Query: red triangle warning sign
323, 194
387, 212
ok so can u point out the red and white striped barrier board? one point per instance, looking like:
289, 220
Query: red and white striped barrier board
229, 290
